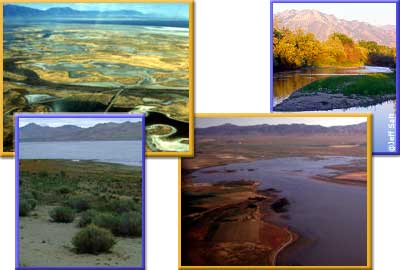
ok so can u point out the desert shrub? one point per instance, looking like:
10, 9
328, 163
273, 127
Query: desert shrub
93, 240
87, 218
62, 214
28, 195
24, 208
106, 220
122, 205
129, 224
78, 203
64, 190
32, 203
35, 194
26, 204
125, 224
43, 174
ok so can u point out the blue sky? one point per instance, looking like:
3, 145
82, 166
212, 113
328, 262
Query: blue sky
373, 13
166, 9
249, 121
80, 122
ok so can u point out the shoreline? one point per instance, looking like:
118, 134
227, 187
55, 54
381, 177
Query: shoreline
341, 91
92, 161
234, 231
293, 237
229, 196
341, 170
324, 101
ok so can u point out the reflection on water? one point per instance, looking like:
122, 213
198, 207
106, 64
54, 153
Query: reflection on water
285, 83
34, 98
332, 217
380, 122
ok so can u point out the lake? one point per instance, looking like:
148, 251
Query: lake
332, 217
122, 152
119, 21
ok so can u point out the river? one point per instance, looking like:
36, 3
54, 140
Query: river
331, 217
285, 83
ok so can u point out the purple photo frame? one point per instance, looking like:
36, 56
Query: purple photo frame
66, 115
397, 152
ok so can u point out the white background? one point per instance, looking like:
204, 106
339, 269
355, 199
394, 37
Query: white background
231, 75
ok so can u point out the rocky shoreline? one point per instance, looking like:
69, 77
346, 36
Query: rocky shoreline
324, 100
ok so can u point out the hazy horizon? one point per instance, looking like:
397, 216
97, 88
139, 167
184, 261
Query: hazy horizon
378, 14
253, 121
168, 10
79, 122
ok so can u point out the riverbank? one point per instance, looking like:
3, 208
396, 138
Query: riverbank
224, 224
341, 92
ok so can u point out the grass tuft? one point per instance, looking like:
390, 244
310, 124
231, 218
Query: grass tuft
364, 85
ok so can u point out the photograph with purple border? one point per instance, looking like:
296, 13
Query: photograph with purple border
80, 191
338, 56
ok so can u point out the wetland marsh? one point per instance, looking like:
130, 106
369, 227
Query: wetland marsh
103, 64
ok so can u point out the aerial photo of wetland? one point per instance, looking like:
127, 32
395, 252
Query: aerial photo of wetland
80, 197
275, 191
327, 59
109, 57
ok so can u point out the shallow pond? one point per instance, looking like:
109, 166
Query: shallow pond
34, 98
331, 217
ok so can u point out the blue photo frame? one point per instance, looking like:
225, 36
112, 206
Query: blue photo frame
17, 155
393, 150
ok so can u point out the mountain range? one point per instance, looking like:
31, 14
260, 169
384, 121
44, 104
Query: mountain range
322, 25
282, 130
65, 12
100, 132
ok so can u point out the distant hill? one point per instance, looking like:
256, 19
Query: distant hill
322, 25
282, 130
65, 12
100, 132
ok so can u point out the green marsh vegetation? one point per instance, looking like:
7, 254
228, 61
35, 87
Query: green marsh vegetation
103, 200
363, 85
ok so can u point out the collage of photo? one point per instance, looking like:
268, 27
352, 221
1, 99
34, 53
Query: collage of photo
91, 89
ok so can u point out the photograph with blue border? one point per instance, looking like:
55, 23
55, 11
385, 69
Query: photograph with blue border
80, 191
338, 56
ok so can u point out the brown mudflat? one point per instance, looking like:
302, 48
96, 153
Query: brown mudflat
222, 224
